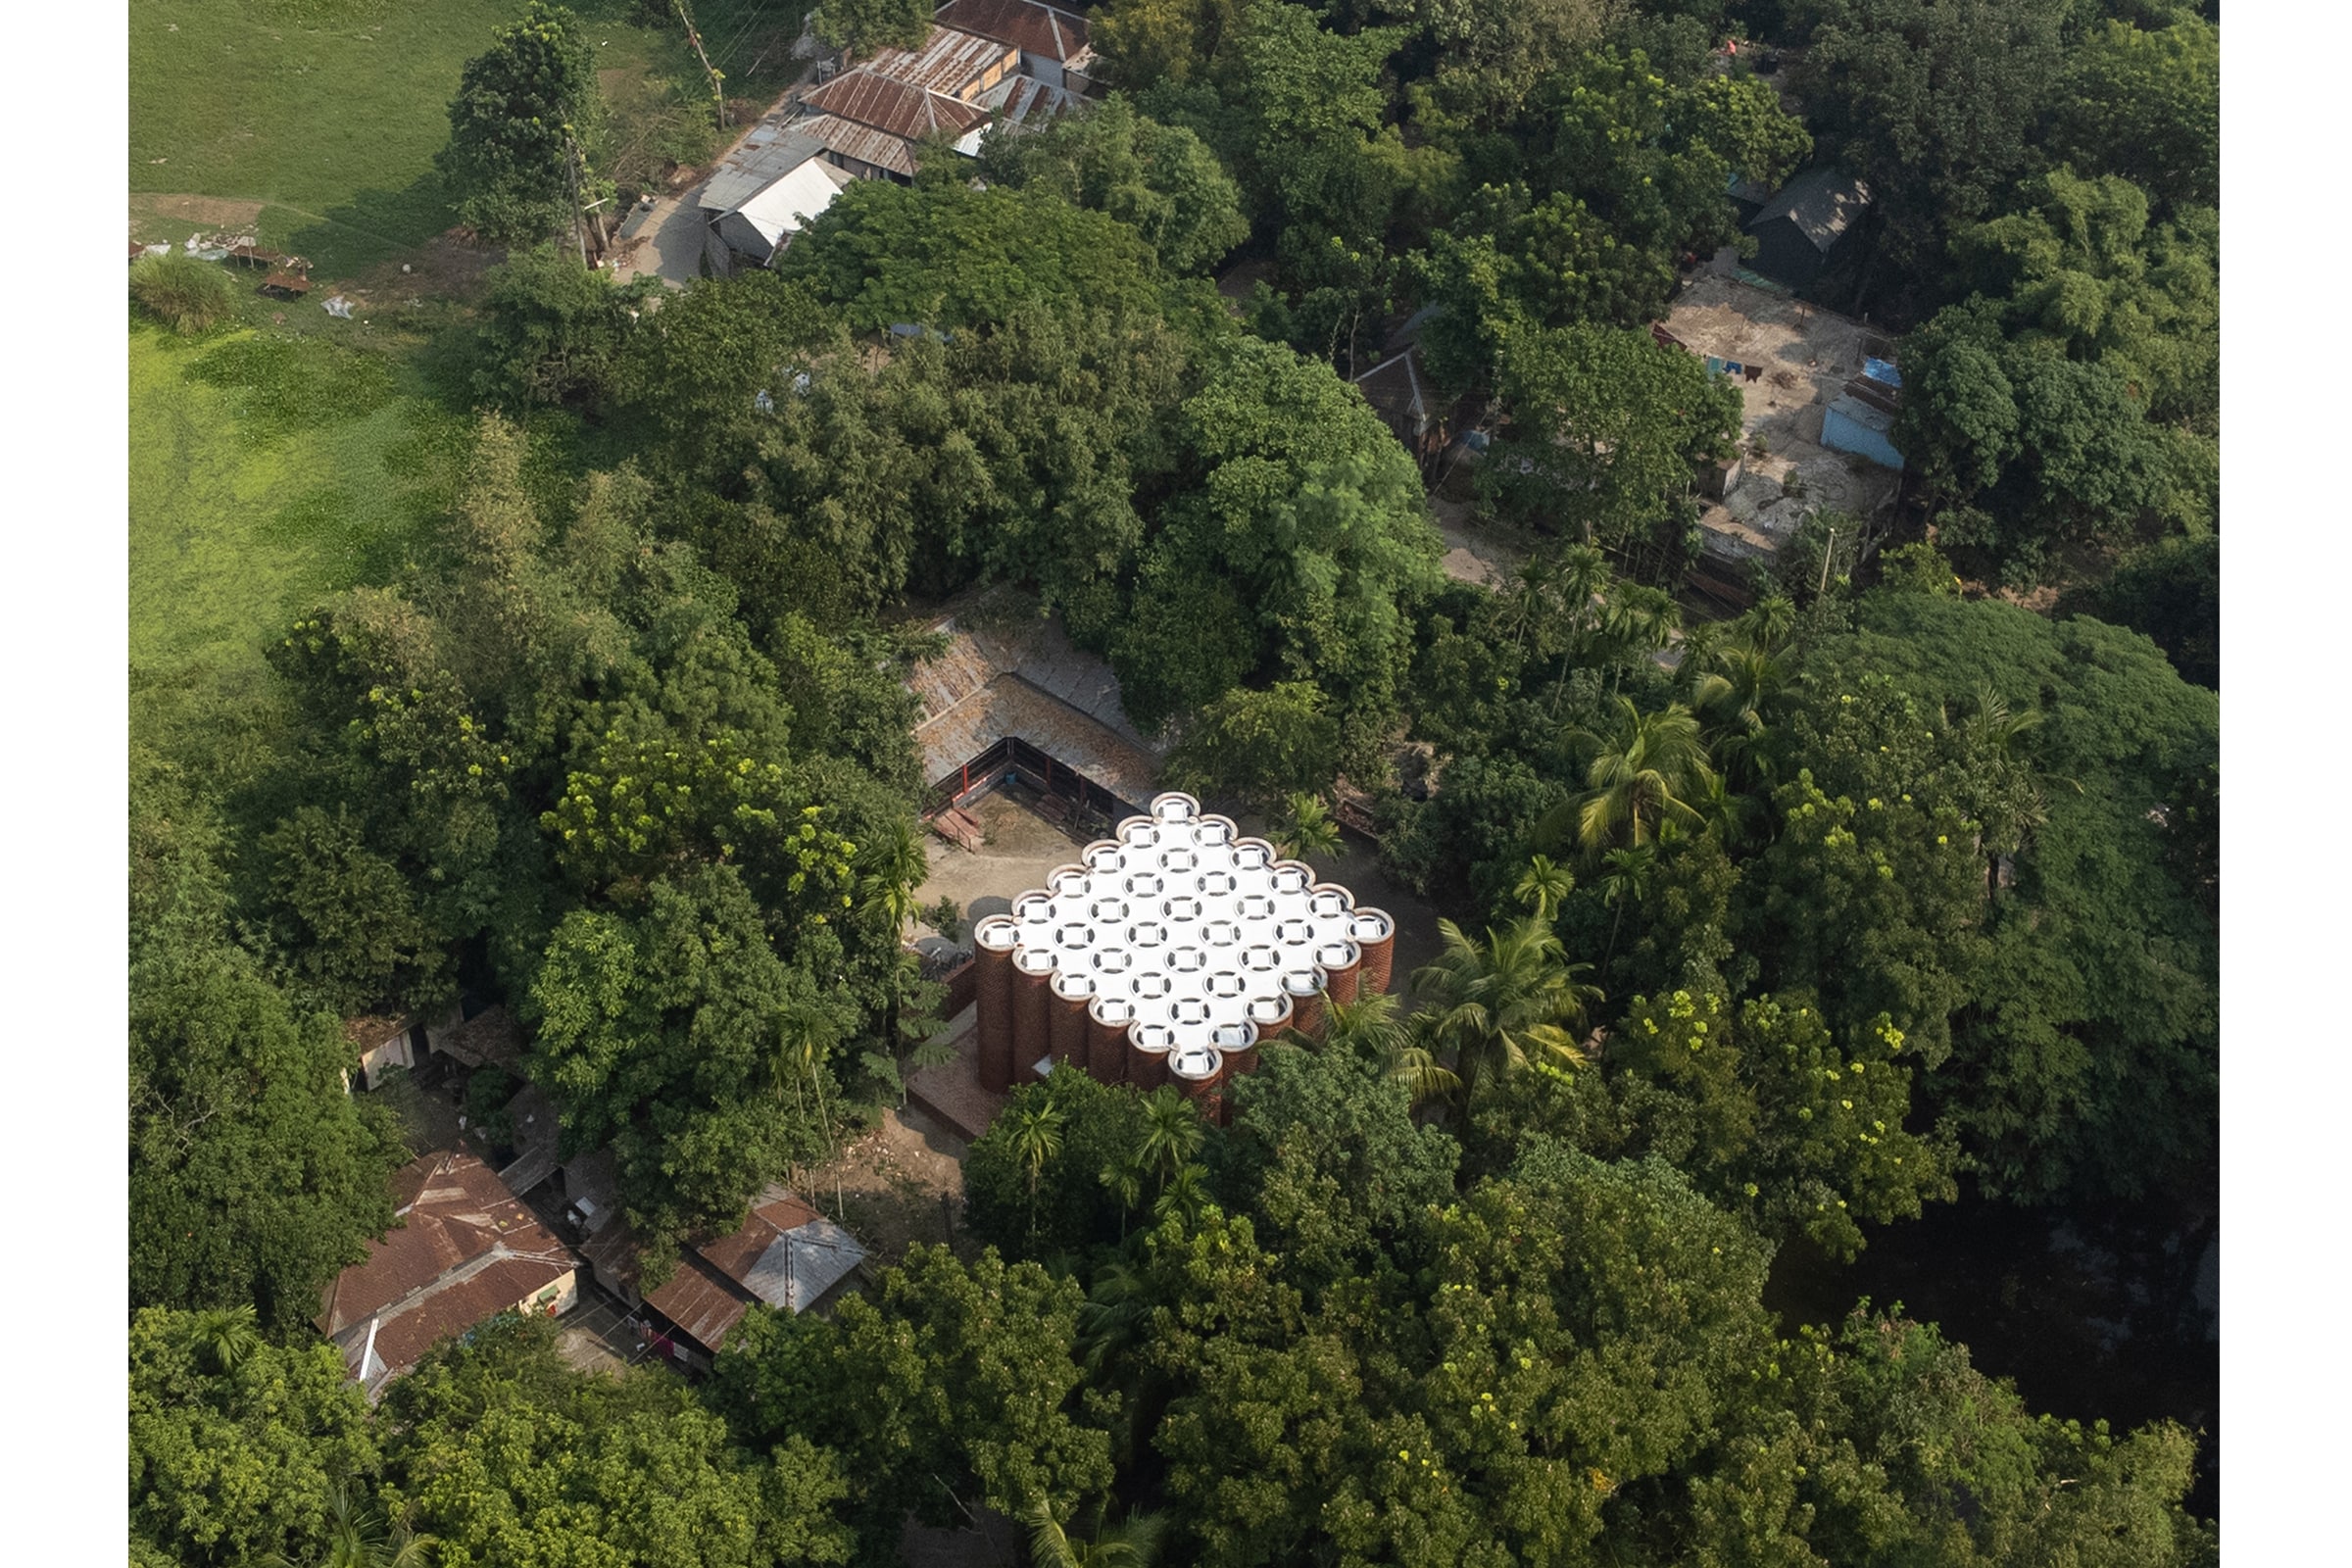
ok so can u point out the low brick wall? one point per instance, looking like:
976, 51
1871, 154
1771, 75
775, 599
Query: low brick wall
963, 987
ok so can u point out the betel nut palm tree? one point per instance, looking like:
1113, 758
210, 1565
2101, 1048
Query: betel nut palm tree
1504, 1003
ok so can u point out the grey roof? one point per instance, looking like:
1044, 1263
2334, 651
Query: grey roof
1823, 204
768, 153
800, 1265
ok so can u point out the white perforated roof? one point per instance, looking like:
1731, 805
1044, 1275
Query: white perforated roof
1185, 930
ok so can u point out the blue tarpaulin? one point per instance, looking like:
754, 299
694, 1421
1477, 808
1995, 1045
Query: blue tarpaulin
1882, 371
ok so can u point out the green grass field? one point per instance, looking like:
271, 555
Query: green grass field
277, 461
265, 472
326, 112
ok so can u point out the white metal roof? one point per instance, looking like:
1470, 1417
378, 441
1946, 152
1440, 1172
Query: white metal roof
787, 205
1186, 931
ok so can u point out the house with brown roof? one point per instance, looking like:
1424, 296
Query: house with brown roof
466, 1250
1054, 45
784, 1253
867, 97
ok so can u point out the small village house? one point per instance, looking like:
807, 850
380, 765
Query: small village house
466, 1250
1800, 229
1054, 44
784, 1253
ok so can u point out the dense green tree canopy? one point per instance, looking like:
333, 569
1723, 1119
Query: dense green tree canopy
237, 1447
1160, 180
503, 1454
253, 1176
2030, 911
521, 111
1935, 105
2147, 106
677, 1034
940, 256
861, 26
1606, 426
1294, 537
953, 1387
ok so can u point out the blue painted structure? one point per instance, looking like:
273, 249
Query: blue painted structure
1850, 425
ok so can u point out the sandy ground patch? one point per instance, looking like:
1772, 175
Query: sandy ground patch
1472, 554
153, 217
1021, 849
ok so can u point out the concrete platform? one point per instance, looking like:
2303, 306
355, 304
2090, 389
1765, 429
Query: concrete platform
951, 1094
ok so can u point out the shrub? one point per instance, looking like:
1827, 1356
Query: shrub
185, 294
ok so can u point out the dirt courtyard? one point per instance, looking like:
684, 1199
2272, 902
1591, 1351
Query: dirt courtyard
1019, 851
899, 1184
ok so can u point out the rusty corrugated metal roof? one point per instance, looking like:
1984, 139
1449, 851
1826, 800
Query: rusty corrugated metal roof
488, 1037
734, 1254
702, 1305
469, 1250
948, 62
1022, 99
861, 143
868, 98
1033, 29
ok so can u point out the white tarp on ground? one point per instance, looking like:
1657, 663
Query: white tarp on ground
781, 209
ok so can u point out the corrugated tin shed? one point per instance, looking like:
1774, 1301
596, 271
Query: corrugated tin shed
467, 1250
1017, 100
1033, 29
866, 97
701, 1307
1823, 205
860, 144
766, 222
786, 1253
960, 64
1395, 390
767, 153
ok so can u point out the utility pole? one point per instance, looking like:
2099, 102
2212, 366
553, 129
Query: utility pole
1826, 556
694, 37
571, 172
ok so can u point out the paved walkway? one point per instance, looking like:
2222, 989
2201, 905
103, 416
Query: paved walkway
664, 239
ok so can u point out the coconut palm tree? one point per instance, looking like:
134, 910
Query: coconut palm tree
1503, 1004
1366, 1027
1417, 1067
1035, 1134
1543, 887
222, 1336
1132, 1544
358, 1536
1306, 830
1643, 775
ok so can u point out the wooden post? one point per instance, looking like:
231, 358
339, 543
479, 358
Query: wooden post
571, 172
